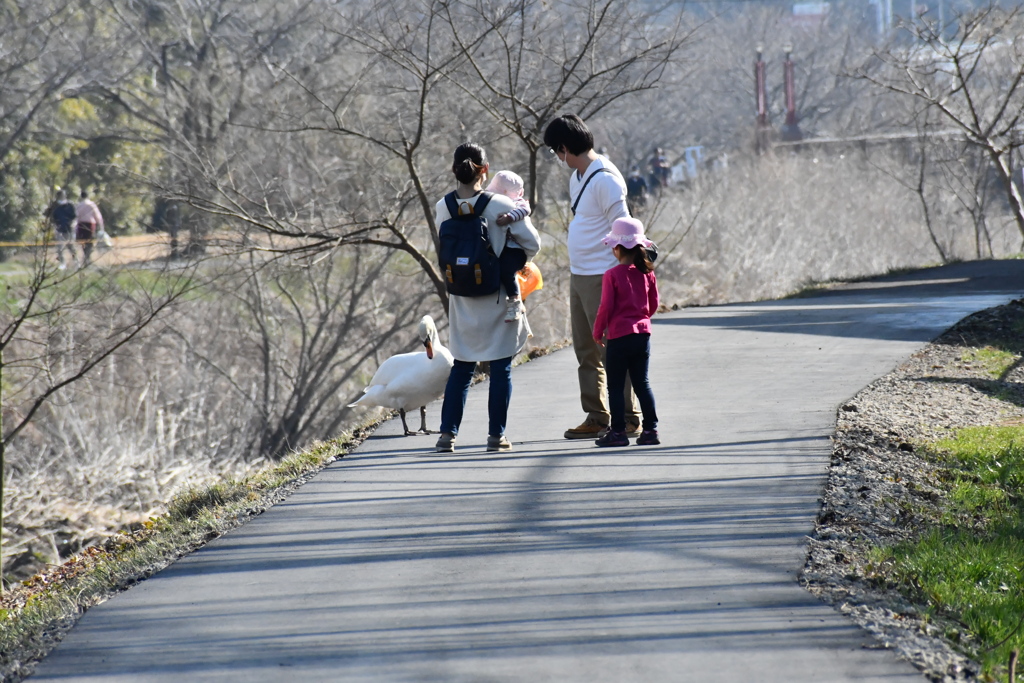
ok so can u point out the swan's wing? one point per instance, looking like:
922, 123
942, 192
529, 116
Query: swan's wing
416, 387
395, 367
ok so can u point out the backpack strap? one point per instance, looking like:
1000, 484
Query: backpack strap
585, 183
452, 204
451, 200
482, 202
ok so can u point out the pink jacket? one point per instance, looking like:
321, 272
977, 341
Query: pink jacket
628, 300
88, 212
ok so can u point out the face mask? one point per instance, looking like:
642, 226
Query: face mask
561, 162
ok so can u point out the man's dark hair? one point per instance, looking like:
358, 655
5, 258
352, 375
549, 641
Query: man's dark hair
569, 131
469, 162
85, 195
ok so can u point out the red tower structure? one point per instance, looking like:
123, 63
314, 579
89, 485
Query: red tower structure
763, 130
790, 130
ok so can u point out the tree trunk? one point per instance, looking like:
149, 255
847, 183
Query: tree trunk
534, 181
1002, 161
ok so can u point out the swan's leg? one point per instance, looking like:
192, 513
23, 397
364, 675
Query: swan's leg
423, 421
405, 426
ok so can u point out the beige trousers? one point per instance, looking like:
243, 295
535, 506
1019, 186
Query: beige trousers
584, 300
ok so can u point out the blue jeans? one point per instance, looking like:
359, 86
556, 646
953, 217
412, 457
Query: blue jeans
631, 354
498, 397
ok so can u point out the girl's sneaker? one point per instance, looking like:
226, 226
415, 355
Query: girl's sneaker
515, 310
613, 439
649, 437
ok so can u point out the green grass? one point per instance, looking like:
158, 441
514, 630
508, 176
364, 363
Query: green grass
971, 566
10, 269
992, 360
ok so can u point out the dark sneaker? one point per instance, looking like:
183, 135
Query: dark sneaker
498, 443
446, 443
649, 437
588, 430
613, 439
632, 429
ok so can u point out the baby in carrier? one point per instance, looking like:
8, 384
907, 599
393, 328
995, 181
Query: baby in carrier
512, 257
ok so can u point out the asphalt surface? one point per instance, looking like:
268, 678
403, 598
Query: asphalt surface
559, 561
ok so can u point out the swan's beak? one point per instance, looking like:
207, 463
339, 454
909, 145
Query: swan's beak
430, 349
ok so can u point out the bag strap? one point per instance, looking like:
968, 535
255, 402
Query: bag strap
453, 206
481, 203
585, 183
452, 202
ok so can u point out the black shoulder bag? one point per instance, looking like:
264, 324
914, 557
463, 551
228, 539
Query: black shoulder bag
585, 183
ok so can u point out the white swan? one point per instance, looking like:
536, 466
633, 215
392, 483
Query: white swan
411, 380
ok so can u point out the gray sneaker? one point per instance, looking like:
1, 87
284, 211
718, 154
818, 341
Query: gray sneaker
498, 443
446, 443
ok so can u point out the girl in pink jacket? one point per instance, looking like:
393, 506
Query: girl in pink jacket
629, 297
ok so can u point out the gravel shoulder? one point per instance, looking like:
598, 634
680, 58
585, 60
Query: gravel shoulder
881, 491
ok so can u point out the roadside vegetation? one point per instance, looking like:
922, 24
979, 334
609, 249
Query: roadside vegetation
968, 563
35, 615
921, 533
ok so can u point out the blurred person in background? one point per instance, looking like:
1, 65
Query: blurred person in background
89, 220
63, 215
659, 169
636, 192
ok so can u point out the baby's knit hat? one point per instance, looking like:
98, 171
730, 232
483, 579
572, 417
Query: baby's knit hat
506, 183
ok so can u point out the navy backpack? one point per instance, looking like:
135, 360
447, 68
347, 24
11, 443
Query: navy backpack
467, 260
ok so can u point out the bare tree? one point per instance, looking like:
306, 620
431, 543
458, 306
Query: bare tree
917, 175
50, 49
51, 336
42, 52
312, 327
974, 79
708, 97
198, 68
966, 175
530, 61
396, 85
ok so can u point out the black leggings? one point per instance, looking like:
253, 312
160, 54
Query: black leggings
630, 354
511, 262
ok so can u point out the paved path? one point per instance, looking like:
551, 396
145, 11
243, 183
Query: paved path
559, 561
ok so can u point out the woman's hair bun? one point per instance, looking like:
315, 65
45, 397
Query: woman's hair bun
469, 162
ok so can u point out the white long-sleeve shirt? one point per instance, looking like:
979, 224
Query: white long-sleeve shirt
603, 200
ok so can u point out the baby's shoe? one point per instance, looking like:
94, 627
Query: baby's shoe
515, 310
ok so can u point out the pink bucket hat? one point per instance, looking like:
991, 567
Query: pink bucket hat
506, 183
627, 232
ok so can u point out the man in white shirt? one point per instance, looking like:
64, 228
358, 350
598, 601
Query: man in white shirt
598, 193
